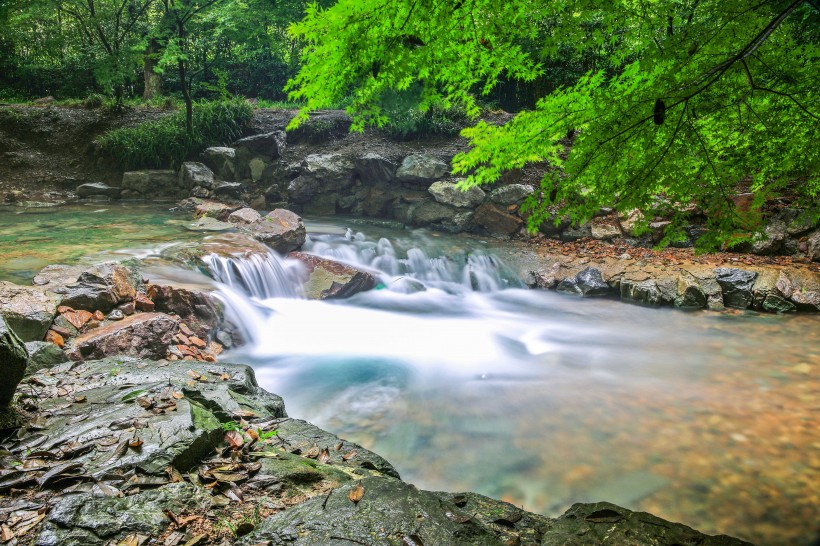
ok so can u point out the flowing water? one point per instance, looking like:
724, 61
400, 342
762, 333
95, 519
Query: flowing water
464, 380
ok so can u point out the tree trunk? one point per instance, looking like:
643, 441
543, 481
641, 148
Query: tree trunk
186, 91
153, 81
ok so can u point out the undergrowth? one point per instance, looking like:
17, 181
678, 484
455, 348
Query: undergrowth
165, 143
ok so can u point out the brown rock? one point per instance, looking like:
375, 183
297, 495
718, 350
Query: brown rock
145, 335
197, 309
496, 220
99, 315
184, 329
55, 338
328, 279
280, 229
142, 303
214, 209
78, 319
196, 342
127, 308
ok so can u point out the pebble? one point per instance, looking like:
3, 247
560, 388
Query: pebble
116, 314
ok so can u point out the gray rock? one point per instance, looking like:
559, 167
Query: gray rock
96, 189
422, 168
329, 279
546, 278
320, 174
200, 311
591, 283
29, 310
13, 357
461, 221
116, 314
429, 211
605, 523
83, 519
154, 183
99, 287
690, 294
280, 229
43, 355
229, 189
813, 246
206, 223
569, 286
604, 230
193, 174
497, 221
244, 216
771, 240
448, 193
644, 292
807, 300
573, 233
222, 161
144, 335
268, 145
512, 194
775, 304
736, 285
200, 193
373, 169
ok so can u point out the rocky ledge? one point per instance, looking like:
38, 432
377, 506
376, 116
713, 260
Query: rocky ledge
124, 451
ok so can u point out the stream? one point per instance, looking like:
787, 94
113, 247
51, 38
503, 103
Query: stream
465, 380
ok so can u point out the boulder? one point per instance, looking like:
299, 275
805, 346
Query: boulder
813, 246
690, 295
422, 169
775, 304
254, 154
575, 232
604, 229
512, 194
373, 169
99, 287
143, 335
244, 216
152, 183
94, 189
546, 278
280, 229
496, 220
13, 358
606, 523
807, 300
193, 174
771, 240
328, 279
448, 193
429, 211
588, 282
645, 292
320, 174
214, 209
222, 161
736, 285
29, 310
196, 308
43, 355
228, 189
206, 223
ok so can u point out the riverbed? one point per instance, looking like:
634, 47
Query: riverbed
465, 380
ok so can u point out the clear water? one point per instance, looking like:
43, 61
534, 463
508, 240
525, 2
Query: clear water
32, 238
474, 383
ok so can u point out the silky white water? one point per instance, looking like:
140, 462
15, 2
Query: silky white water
465, 380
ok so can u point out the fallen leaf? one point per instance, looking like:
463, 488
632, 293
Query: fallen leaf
80, 399
234, 438
6, 534
324, 456
178, 395
349, 455
135, 443
357, 493
412, 540
121, 450
195, 375
58, 471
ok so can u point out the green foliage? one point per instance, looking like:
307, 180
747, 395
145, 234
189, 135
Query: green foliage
165, 142
688, 101
94, 100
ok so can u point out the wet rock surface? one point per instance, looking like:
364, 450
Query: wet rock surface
329, 279
28, 310
13, 357
144, 335
280, 229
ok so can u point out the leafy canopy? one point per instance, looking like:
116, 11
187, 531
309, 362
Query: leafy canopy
688, 101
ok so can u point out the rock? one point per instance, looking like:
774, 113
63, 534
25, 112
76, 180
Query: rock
214, 209
28, 310
429, 211
281, 229
13, 358
546, 278
690, 295
329, 279
573, 233
813, 246
222, 161
736, 285
512, 194
268, 145
591, 283
154, 183
200, 193
631, 222
448, 193
144, 335
320, 174
101, 286
196, 308
775, 304
143, 302
771, 240
84, 519
461, 221
604, 229
644, 292
43, 355
206, 223
193, 174
229, 189
116, 314
422, 169
55, 338
496, 221
605, 523
244, 216
807, 300
784, 286
373, 169
93, 189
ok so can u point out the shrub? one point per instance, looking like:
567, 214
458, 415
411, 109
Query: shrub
165, 142
94, 100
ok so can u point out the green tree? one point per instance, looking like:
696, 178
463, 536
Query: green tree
688, 100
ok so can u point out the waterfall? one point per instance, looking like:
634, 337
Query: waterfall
258, 276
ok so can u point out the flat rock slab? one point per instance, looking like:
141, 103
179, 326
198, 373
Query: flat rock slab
144, 335
28, 310
329, 279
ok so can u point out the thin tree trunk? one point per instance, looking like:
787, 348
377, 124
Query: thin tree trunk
153, 81
186, 91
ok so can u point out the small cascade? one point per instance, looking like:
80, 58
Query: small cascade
258, 276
